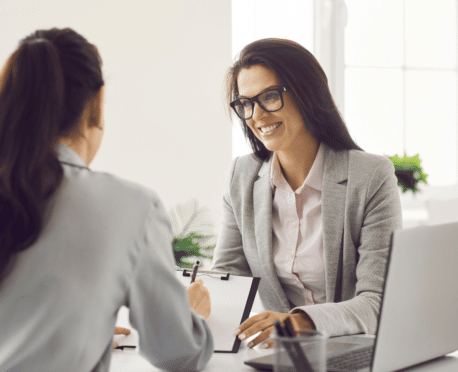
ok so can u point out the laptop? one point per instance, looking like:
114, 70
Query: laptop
418, 319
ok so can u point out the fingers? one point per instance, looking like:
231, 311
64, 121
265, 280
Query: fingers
255, 328
121, 331
250, 321
199, 298
196, 283
262, 337
268, 344
263, 323
206, 312
196, 287
258, 323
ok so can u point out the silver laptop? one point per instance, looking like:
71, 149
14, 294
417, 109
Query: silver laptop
418, 319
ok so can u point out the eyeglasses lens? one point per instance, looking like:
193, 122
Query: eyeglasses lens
243, 108
269, 101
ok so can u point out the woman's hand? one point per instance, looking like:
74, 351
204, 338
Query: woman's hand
120, 331
199, 298
264, 323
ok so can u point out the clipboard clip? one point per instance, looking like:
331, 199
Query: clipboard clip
224, 276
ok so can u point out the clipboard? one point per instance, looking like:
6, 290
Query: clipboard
232, 298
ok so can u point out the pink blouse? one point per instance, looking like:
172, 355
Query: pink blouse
297, 235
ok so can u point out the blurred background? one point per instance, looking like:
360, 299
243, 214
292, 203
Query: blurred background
391, 65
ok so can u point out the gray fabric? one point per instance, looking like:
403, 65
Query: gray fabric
105, 243
360, 209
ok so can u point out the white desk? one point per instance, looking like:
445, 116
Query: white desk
127, 360
122, 361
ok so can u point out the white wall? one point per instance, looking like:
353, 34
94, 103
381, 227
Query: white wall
164, 64
258, 19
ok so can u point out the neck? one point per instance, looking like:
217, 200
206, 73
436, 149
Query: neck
297, 162
80, 146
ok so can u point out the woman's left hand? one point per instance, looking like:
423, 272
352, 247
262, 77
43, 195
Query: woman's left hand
264, 323
120, 331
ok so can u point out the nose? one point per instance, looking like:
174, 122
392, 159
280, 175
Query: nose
258, 112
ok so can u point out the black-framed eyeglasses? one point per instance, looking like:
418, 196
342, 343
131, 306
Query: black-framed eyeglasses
269, 100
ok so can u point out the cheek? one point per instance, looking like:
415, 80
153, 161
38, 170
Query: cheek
251, 126
298, 123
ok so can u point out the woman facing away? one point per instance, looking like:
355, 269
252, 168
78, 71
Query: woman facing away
75, 245
309, 212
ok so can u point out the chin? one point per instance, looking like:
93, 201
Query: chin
271, 147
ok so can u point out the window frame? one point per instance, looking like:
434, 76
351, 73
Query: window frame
414, 206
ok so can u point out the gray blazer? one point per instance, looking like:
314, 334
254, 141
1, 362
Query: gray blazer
106, 242
360, 209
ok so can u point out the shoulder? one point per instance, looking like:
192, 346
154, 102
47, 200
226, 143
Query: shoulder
103, 189
370, 174
368, 166
129, 188
248, 163
359, 158
246, 168
358, 167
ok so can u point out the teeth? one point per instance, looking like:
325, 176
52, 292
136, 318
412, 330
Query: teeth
271, 128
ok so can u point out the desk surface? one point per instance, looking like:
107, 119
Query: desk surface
128, 360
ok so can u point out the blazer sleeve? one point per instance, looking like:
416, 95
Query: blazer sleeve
172, 336
229, 255
381, 216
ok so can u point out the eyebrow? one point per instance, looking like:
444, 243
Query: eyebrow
266, 89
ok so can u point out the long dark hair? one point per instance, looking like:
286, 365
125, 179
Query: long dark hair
44, 88
304, 78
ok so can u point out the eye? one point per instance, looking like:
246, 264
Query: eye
245, 103
271, 95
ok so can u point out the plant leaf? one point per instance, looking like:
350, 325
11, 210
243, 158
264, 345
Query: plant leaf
188, 218
188, 247
409, 172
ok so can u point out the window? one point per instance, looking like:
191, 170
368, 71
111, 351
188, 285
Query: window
401, 81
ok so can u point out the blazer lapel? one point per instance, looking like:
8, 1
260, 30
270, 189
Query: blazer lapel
262, 203
335, 175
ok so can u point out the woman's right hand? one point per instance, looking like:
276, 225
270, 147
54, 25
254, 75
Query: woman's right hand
199, 298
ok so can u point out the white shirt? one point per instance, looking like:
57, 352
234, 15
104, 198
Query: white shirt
297, 235
105, 243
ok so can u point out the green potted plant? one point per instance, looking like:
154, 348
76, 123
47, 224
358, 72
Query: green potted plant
193, 236
409, 172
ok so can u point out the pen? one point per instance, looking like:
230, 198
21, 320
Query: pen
296, 347
194, 271
294, 351
288, 347
279, 328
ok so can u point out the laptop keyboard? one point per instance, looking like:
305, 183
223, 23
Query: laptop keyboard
351, 361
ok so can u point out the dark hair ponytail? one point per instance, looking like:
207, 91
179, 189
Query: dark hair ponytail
44, 87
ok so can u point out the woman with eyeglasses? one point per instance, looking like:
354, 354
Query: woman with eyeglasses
309, 212
76, 245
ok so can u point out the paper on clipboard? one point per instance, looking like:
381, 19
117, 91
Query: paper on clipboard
231, 303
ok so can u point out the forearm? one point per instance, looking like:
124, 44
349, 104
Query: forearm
358, 315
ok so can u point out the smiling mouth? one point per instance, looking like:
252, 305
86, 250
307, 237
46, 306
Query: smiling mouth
270, 128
